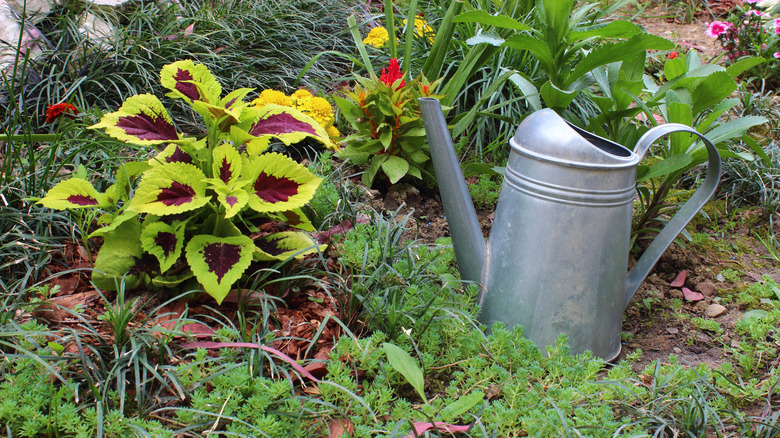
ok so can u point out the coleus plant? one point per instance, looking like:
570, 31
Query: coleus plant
389, 132
202, 207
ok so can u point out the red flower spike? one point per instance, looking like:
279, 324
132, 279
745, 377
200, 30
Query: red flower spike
53, 112
673, 55
392, 73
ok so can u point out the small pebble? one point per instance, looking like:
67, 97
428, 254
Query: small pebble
706, 288
714, 310
672, 330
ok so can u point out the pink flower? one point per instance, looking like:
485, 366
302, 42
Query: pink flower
777, 55
755, 12
749, 1
718, 28
777, 25
392, 73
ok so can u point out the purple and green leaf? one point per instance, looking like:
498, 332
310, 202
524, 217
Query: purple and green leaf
226, 163
285, 245
142, 120
218, 262
232, 198
170, 188
74, 193
278, 183
163, 241
286, 124
191, 82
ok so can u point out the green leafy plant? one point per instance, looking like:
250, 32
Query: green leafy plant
197, 202
389, 133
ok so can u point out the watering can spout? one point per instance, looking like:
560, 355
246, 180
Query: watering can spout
467, 239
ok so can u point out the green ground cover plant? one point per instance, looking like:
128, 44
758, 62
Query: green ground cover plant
394, 347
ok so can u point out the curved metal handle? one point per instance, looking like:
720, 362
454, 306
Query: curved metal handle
686, 212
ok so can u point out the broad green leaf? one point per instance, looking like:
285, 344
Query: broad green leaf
74, 193
674, 68
118, 256
191, 82
116, 221
349, 109
163, 241
254, 145
534, 45
677, 112
491, 38
556, 15
482, 17
386, 137
713, 116
744, 64
218, 262
666, 167
222, 116
462, 404
142, 120
395, 168
712, 90
373, 168
170, 188
284, 245
554, 97
615, 29
620, 51
402, 362
278, 183
734, 128
527, 89
125, 177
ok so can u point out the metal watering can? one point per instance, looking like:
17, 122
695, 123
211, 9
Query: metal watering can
557, 256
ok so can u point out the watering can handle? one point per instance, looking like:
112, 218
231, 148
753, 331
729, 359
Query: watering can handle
686, 212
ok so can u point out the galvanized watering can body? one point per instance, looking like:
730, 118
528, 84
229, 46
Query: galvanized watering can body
557, 256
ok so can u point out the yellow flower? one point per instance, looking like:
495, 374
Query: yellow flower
333, 131
422, 29
318, 109
377, 37
271, 96
300, 97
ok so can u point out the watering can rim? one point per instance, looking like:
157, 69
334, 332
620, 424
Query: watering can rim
626, 158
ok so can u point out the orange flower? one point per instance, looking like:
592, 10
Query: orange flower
53, 112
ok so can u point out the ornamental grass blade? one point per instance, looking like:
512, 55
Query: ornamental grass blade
405, 364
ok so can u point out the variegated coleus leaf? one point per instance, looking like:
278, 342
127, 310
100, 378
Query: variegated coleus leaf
163, 241
142, 120
218, 262
173, 153
191, 82
253, 145
294, 218
74, 193
278, 183
287, 124
117, 259
226, 163
233, 198
284, 245
170, 188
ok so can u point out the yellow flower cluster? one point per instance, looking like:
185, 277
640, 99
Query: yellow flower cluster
377, 37
422, 29
315, 107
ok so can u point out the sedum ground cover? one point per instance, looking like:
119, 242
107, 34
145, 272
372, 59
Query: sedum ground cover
366, 330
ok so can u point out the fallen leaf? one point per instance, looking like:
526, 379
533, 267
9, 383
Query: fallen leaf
340, 427
422, 426
679, 281
692, 295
